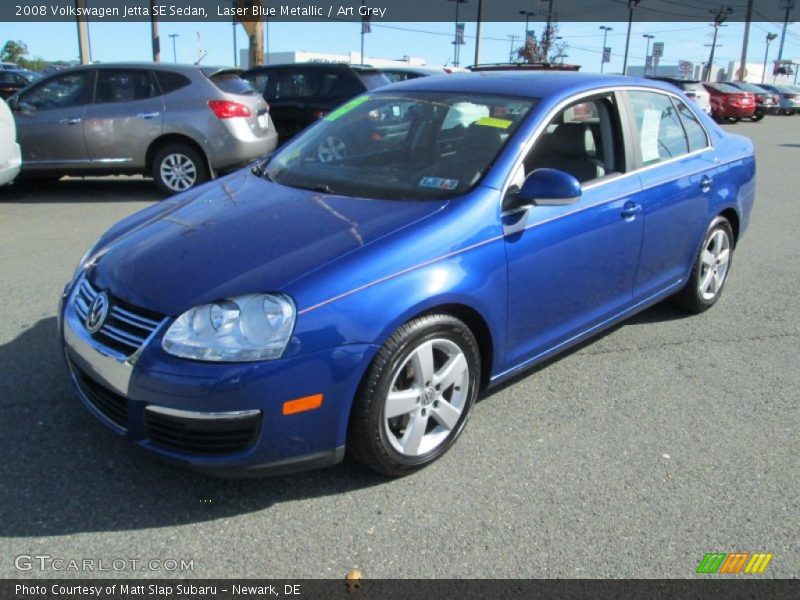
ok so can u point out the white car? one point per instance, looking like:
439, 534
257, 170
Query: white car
10, 157
693, 89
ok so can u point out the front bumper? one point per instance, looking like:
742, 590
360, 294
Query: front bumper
221, 419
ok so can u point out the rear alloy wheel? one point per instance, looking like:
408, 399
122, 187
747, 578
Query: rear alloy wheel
416, 396
177, 168
710, 270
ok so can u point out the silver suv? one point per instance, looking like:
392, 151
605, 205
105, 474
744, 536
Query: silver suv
180, 124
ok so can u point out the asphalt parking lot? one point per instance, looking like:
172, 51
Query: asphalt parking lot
631, 456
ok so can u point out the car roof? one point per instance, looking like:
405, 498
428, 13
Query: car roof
535, 84
177, 67
315, 65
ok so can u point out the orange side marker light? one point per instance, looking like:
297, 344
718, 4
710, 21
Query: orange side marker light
303, 404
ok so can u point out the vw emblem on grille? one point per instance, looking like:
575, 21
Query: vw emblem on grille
98, 311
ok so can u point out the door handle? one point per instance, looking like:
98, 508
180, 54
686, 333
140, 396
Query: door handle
630, 210
148, 115
71, 121
705, 184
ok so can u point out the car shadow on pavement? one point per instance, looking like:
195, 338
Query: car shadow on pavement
76, 189
64, 473
663, 311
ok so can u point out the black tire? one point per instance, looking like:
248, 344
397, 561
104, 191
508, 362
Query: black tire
757, 117
732, 120
690, 297
185, 155
369, 432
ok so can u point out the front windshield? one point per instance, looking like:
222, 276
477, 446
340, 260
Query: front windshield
398, 145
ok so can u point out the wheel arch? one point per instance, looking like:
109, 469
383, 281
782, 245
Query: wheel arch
175, 138
477, 325
733, 218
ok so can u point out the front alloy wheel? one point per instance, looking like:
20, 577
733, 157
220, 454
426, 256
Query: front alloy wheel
416, 396
710, 271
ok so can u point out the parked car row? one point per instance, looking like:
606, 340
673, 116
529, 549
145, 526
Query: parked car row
180, 124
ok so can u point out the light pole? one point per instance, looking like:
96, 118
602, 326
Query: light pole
649, 38
513, 39
456, 40
770, 37
719, 19
174, 52
632, 4
605, 29
528, 14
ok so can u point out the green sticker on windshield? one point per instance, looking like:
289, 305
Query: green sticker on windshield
346, 108
492, 122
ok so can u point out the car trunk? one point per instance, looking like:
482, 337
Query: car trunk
240, 100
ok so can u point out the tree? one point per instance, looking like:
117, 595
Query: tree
547, 48
16, 52
13, 51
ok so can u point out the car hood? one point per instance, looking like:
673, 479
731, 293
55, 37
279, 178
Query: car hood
240, 235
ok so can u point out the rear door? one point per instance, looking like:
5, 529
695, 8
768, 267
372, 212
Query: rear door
50, 121
677, 168
126, 116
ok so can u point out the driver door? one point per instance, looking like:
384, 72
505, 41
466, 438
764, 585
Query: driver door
50, 121
572, 268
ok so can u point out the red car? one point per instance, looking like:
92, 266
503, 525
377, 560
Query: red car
730, 103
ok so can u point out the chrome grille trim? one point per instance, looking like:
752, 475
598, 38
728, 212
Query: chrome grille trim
134, 319
124, 332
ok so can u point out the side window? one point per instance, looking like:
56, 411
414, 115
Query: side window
660, 134
170, 82
339, 84
583, 140
63, 91
123, 86
297, 84
694, 131
7, 77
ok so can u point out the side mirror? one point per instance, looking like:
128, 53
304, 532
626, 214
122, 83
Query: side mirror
548, 187
13, 102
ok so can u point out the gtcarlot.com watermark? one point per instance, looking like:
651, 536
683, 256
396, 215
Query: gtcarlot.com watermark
46, 562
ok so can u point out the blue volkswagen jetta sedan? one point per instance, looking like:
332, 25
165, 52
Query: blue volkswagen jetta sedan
422, 242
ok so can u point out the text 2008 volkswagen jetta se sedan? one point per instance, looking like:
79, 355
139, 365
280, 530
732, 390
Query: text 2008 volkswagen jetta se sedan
421, 242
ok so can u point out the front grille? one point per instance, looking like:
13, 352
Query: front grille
110, 404
208, 436
126, 327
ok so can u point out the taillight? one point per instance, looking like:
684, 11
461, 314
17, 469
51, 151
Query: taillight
226, 109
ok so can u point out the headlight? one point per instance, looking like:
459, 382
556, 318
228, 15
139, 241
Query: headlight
245, 328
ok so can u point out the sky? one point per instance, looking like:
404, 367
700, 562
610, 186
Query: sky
431, 41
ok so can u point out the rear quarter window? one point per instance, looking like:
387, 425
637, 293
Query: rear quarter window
171, 82
231, 83
373, 79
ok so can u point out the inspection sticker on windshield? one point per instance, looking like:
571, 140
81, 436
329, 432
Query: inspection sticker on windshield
439, 183
346, 108
493, 122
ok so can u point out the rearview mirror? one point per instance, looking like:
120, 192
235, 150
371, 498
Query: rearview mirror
548, 187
